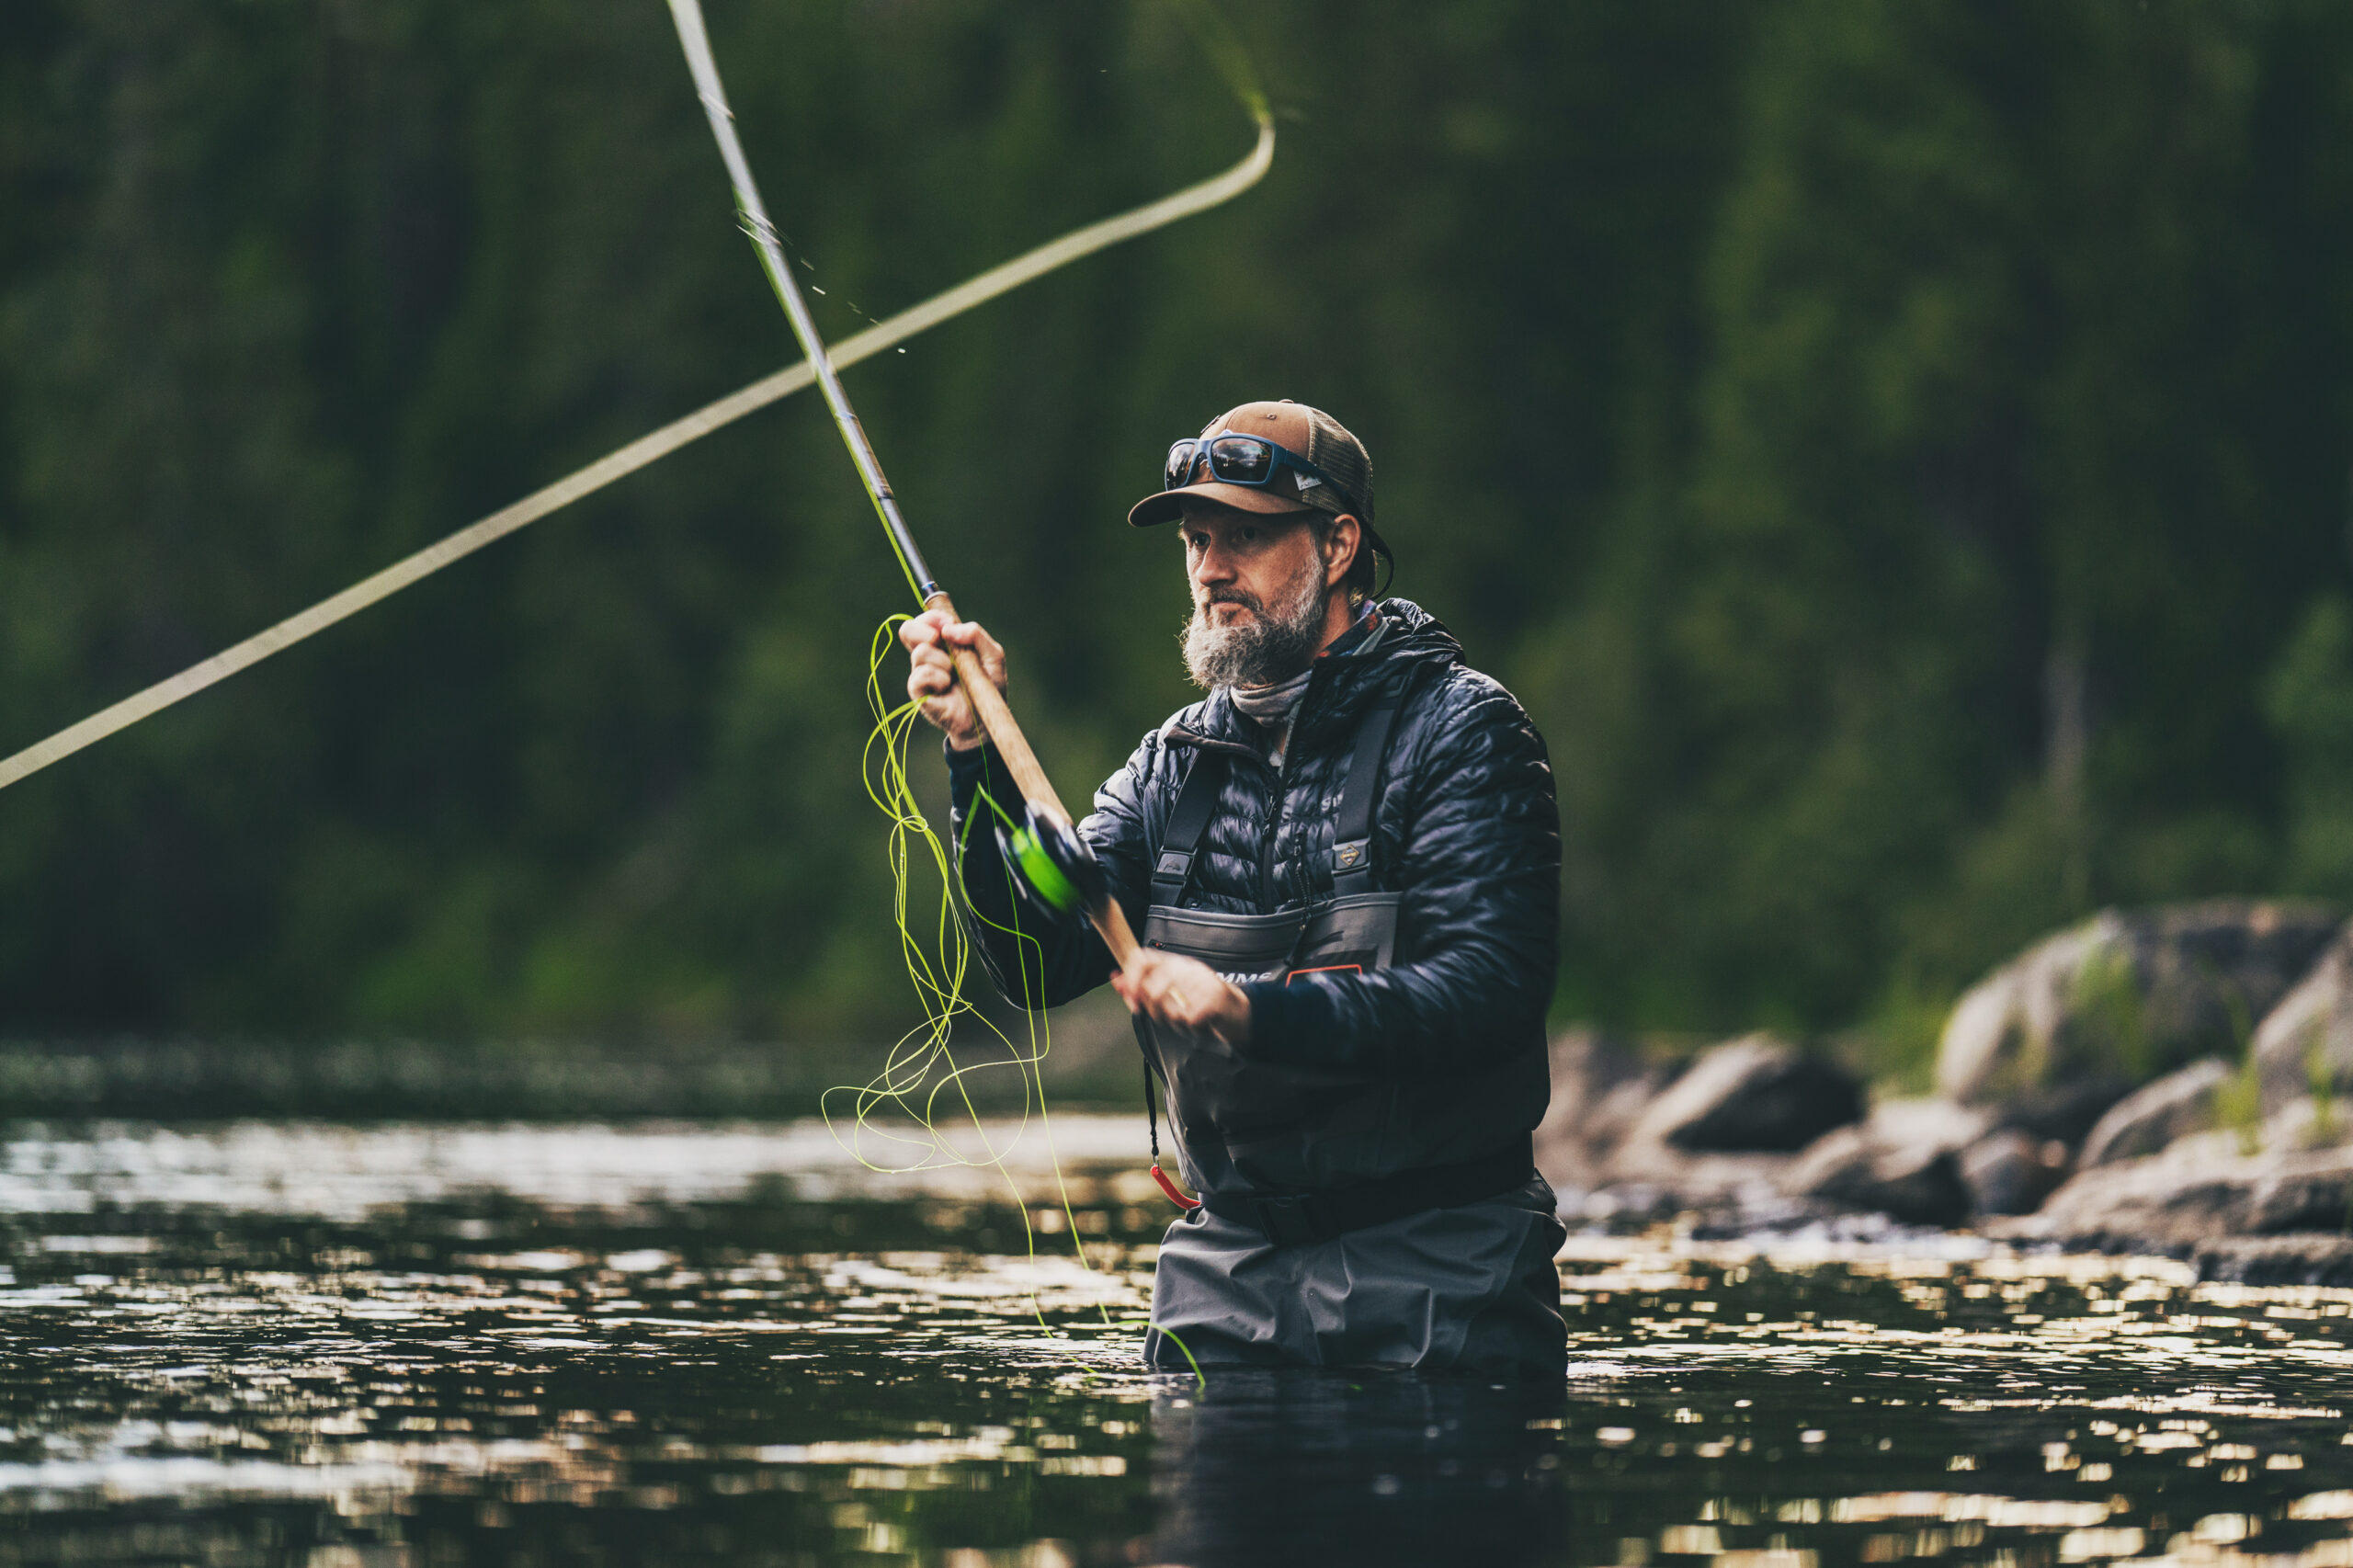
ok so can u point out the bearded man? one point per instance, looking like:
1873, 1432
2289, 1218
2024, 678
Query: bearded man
1345, 865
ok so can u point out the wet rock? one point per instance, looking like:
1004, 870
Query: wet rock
1677, 1181
2302, 1191
2204, 1189
1729, 1194
1853, 1173
2153, 1204
1755, 1095
2156, 1114
2011, 1172
1713, 1137
1904, 1162
2063, 1113
1599, 1088
2306, 1042
2127, 995
2301, 1259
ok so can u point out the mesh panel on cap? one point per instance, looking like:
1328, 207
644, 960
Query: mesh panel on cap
1341, 455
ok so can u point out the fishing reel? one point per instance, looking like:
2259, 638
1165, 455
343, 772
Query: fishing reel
1054, 872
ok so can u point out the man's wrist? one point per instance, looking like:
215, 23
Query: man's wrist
1238, 1035
964, 764
973, 742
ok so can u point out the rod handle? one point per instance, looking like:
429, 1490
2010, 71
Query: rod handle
997, 719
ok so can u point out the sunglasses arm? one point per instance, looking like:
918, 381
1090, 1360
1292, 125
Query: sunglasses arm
996, 718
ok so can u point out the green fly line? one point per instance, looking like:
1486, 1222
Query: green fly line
921, 1071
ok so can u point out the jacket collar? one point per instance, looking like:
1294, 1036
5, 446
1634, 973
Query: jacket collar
1339, 688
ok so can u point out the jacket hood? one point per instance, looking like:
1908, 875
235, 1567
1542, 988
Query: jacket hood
1411, 645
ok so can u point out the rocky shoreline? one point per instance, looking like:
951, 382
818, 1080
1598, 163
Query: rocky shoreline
2161, 1080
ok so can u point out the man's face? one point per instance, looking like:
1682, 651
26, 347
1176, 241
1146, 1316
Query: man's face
1241, 562
1258, 595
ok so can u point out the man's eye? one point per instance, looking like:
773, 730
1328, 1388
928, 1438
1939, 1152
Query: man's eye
1249, 536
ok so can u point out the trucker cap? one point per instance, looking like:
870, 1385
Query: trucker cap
1306, 432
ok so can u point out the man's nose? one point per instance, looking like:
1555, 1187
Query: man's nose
1213, 565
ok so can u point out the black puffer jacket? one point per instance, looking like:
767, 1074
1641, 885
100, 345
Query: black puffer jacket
1465, 830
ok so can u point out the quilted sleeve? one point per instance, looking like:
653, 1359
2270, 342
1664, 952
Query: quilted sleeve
1478, 870
1035, 963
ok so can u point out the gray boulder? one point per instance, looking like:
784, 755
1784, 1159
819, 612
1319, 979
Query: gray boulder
2011, 1172
2165, 1203
2125, 997
2204, 1190
1599, 1089
2302, 1259
2306, 1042
1755, 1095
2064, 1113
1904, 1162
2311, 1190
1629, 1138
2156, 1114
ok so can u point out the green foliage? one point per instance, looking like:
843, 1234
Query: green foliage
2238, 1101
1889, 448
2020, 380
1895, 1046
2308, 697
2238, 1106
2109, 1028
2320, 1081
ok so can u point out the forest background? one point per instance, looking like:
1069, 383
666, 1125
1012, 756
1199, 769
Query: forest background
1899, 453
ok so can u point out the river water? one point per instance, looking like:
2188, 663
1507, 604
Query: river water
280, 1343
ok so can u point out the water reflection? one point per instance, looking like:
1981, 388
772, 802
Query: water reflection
333, 1346
1283, 1469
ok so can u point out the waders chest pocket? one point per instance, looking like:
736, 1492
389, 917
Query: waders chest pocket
1222, 1100
1239, 947
1355, 935
1213, 1091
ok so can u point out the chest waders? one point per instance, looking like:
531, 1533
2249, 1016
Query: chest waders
1298, 1153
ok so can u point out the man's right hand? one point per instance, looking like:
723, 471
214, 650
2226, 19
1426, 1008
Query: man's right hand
931, 677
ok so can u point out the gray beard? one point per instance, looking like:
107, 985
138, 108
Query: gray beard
1270, 647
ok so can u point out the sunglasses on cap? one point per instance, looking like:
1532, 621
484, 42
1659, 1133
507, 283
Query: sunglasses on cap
1242, 459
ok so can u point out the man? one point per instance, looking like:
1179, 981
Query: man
1343, 866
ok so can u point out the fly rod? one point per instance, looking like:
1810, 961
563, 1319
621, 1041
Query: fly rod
988, 703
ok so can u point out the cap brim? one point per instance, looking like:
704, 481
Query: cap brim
1169, 504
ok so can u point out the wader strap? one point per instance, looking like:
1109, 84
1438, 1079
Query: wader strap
1352, 837
1196, 798
1322, 1216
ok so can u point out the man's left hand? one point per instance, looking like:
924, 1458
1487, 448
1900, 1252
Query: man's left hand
1184, 993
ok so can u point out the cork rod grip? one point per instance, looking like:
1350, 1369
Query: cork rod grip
996, 718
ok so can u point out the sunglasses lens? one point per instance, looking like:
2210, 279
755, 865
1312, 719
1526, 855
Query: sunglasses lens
1180, 464
1245, 459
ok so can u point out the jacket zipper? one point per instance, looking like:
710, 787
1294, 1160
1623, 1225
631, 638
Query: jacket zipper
1266, 849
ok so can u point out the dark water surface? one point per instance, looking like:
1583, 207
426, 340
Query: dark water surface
301, 1344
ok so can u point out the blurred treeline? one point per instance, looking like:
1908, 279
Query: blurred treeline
1899, 452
